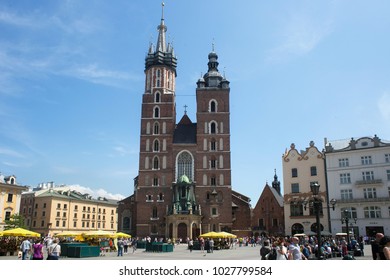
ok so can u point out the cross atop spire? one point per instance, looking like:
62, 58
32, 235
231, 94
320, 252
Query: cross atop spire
162, 7
185, 109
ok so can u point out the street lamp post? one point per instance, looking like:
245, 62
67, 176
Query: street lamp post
315, 188
345, 220
317, 206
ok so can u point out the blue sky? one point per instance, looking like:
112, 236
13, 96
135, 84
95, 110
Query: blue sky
71, 82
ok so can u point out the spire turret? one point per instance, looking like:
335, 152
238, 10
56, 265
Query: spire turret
213, 78
276, 183
162, 53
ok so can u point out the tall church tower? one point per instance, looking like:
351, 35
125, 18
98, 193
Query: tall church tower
158, 118
213, 167
183, 187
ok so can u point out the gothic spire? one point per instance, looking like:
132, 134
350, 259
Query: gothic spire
162, 53
162, 29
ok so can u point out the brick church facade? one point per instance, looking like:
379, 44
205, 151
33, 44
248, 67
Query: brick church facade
183, 187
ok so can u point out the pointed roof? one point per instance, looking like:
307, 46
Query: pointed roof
162, 29
185, 131
162, 53
185, 120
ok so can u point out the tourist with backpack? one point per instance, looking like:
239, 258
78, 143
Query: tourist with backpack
265, 249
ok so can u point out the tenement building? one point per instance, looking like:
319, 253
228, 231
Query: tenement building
183, 187
51, 209
10, 196
300, 170
358, 172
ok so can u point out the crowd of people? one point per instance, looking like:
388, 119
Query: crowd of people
271, 247
305, 248
33, 249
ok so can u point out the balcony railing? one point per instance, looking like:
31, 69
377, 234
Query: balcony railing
359, 200
368, 182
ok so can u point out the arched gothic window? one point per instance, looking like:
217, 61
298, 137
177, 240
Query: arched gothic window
185, 165
155, 163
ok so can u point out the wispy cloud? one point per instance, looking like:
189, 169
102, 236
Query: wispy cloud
11, 18
96, 192
384, 105
300, 34
10, 153
96, 74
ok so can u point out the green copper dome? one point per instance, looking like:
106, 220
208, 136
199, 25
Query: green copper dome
183, 179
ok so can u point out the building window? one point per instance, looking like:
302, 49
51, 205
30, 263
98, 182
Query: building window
157, 97
366, 160
388, 175
261, 223
42, 223
294, 172
43, 213
274, 222
213, 163
213, 145
214, 211
74, 224
7, 215
369, 193
10, 196
213, 128
213, 106
156, 113
372, 212
296, 209
368, 175
213, 181
156, 128
345, 178
64, 215
160, 197
44, 205
155, 181
343, 162
185, 165
57, 223
295, 188
352, 213
75, 215
155, 163
58, 206
387, 158
346, 194
58, 214
154, 212
156, 146
313, 170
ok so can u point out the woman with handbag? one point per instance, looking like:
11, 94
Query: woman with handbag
54, 250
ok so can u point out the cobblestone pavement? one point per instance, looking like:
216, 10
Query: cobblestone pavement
181, 252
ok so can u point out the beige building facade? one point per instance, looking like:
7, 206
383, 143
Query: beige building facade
58, 209
10, 197
300, 170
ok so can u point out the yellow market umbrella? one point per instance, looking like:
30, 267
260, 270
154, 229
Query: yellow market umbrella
211, 234
98, 234
79, 238
227, 234
122, 235
67, 234
20, 232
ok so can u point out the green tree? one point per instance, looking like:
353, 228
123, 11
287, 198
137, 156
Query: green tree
15, 221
